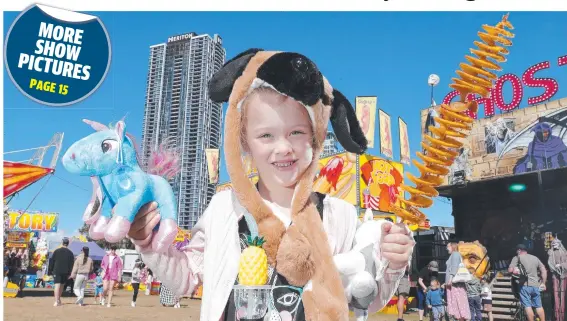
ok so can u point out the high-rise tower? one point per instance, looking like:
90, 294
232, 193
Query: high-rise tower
178, 109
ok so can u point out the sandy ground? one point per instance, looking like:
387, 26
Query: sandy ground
37, 305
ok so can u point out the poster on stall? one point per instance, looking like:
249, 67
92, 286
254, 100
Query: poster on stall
212, 156
385, 134
366, 114
380, 181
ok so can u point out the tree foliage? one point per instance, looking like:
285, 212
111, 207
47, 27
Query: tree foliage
125, 243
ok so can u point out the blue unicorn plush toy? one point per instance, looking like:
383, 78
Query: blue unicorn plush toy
120, 186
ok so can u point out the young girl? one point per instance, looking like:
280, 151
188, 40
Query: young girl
149, 280
434, 300
282, 132
99, 287
112, 267
136, 281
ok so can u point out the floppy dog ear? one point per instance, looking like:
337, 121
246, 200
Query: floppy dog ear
220, 85
346, 126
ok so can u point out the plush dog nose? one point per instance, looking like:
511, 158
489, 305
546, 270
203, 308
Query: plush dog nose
300, 64
73, 156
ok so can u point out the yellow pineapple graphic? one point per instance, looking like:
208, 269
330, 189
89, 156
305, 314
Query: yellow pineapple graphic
253, 266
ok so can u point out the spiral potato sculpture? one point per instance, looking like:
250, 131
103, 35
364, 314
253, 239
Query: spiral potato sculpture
441, 146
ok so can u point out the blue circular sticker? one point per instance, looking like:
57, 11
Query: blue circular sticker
57, 57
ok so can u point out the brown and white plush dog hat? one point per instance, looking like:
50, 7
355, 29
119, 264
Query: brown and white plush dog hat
301, 253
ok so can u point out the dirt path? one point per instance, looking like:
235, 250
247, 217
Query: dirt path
37, 305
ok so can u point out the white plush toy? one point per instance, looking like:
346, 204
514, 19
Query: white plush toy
360, 268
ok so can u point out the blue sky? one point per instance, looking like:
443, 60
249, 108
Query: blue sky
389, 55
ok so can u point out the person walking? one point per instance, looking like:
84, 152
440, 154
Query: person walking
474, 289
81, 269
25, 262
426, 274
457, 301
557, 262
434, 300
112, 267
527, 265
136, 281
14, 264
60, 267
149, 280
98, 286
167, 298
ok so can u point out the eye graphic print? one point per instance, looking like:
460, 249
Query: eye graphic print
108, 145
288, 299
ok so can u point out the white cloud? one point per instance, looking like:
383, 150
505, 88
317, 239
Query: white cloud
53, 239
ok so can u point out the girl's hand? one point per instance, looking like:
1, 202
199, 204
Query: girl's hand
146, 219
396, 245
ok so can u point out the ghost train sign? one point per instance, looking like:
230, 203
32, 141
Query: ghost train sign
510, 144
528, 79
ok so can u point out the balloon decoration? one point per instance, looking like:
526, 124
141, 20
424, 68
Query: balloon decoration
441, 145
40, 255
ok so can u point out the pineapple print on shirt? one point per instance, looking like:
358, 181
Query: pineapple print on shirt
285, 305
253, 266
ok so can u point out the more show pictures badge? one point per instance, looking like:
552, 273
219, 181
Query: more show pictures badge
55, 56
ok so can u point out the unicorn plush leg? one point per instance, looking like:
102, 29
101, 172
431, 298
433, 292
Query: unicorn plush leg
124, 212
97, 213
167, 230
165, 235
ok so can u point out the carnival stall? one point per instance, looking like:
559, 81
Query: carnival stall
509, 180
23, 229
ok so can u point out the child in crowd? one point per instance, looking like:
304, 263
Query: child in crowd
136, 281
486, 295
473, 294
98, 287
434, 300
149, 280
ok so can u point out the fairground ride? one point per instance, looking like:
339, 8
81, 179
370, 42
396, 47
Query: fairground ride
18, 175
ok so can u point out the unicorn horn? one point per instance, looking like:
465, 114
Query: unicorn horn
124, 118
95, 125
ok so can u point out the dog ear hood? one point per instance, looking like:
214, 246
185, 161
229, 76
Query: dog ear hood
346, 125
220, 85
296, 76
300, 253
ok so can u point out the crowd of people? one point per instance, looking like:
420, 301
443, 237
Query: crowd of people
66, 268
15, 266
463, 296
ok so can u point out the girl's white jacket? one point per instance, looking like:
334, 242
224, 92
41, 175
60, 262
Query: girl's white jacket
213, 253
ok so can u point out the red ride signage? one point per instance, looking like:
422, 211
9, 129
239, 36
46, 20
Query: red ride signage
496, 98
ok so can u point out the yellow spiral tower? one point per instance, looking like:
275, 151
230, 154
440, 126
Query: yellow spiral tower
441, 146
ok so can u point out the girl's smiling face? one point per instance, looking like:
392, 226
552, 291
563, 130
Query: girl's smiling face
278, 136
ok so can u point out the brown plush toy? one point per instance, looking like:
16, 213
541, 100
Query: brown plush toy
301, 253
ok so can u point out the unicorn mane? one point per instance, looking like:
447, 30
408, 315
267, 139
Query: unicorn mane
164, 161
